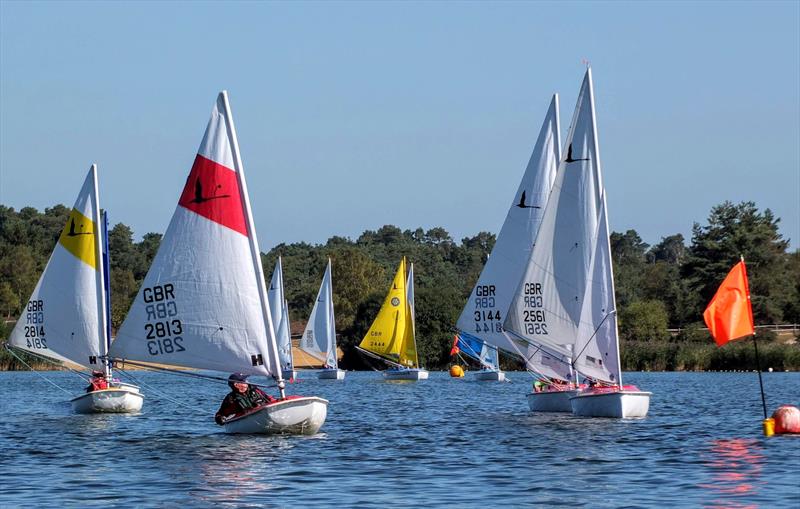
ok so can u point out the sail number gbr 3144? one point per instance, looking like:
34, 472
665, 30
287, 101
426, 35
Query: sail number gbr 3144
534, 319
163, 330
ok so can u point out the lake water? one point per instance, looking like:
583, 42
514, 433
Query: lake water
439, 442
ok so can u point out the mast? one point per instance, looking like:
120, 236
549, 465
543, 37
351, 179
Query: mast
331, 354
410, 294
255, 253
605, 231
102, 319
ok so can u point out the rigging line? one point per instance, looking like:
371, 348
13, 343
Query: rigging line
157, 392
39, 374
189, 374
576, 356
52, 362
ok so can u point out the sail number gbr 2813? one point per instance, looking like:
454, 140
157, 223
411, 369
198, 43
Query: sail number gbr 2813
534, 319
162, 329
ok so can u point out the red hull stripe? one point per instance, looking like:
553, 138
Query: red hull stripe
212, 191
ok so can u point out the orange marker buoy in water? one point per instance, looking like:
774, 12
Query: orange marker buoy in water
456, 371
787, 419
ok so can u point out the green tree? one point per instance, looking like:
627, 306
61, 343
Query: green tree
733, 231
644, 321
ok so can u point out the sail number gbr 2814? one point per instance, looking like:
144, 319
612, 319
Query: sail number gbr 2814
162, 329
534, 319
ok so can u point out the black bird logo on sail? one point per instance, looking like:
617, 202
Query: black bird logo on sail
72, 232
522, 205
569, 158
224, 209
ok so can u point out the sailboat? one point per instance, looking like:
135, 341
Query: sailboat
203, 304
483, 315
319, 337
279, 309
391, 338
486, 355
67, 317
565, 300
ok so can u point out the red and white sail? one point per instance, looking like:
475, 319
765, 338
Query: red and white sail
203, 302
64, 319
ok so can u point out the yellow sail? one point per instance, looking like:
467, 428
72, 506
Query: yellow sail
389, 335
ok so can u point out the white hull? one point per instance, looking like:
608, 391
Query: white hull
289, 374
124, 399
406, 374
295, 416
618, 404
331, 374
489, 376
551, 401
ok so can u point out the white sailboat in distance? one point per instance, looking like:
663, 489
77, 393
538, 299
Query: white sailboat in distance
565, 300
66, 318
279, 310
319, 336
203, 304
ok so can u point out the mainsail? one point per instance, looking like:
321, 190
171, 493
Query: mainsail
565, 300
65, 317
279, 310
319, 337
491, 297
393, 328
203, 303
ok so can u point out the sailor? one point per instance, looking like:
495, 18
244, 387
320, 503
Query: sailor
242, 398
98, 382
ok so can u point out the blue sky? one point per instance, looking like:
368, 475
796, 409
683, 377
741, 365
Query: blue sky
355, 115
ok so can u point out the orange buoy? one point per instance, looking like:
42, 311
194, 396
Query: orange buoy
456, 371
787, 419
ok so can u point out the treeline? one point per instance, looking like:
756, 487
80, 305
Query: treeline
658, 287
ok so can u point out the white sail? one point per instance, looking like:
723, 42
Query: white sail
279, 311
488, 356
65, 317
491, 297
319, 337
203, 302
565, 300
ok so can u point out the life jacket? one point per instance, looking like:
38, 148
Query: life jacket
97, 384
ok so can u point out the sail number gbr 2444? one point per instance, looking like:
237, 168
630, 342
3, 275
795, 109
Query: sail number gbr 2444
534, 319
163, 329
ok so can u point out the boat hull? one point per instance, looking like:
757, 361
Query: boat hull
119, 400
289, 374
551, 401
331, 374
620, 404
487, 375
291, 416
406, 374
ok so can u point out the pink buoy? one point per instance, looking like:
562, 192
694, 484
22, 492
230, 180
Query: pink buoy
787, 419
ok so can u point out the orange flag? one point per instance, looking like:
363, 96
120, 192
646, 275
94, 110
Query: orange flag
455, 350
729, 314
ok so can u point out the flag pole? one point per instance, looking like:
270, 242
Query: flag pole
767, 423
760, 380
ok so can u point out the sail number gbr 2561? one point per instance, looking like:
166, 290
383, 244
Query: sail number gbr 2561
534, 318
162, 329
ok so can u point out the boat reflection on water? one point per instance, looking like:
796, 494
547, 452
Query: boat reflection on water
240, 470
736, 466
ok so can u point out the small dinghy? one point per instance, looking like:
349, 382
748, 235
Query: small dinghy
391, 337
484, 353
66, 318
204, 303
627, 402
552, 399
319, 336
279, 309
295, 415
